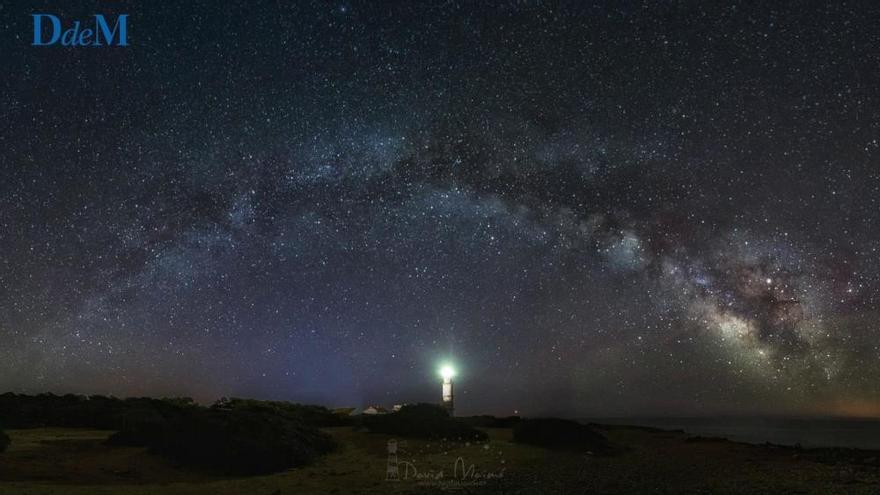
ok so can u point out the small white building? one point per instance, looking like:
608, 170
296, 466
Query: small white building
375, 410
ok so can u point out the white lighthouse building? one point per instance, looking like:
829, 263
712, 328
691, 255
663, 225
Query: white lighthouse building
448, 401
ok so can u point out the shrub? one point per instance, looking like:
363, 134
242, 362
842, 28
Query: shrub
422, 421
318, 416
4, 441
140, 426
237, 442
249, 437
79, 411
486, 421
559, 434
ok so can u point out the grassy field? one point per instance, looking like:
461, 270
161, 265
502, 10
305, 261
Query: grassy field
71, 461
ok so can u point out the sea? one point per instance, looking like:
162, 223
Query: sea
812, 432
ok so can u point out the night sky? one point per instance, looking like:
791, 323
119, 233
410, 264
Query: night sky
622, 209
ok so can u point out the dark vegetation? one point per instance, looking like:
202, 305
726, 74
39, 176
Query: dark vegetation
4, 441
422, 421
560, 434
234, 435
486, 421
238, 442
311, 415
702, 439
77, 411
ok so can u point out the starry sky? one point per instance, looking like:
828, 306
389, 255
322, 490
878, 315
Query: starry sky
624, 208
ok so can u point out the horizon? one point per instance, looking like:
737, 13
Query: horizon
388, 404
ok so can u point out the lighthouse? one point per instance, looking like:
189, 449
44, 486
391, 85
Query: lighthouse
447, 372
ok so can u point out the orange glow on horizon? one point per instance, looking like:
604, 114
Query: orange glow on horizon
856, 408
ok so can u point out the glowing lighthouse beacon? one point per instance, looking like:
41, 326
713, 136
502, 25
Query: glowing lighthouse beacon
447, 372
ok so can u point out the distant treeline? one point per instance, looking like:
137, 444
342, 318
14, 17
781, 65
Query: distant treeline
234, 435
486, 421
422, 421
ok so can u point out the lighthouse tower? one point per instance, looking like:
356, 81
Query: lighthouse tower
448, 402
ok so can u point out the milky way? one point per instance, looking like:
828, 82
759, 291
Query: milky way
655, 209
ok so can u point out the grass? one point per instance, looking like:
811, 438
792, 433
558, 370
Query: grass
70, 461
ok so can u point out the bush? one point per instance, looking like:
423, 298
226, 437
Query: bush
140, 426
559, 434
248, 437
486, 421
79, 411
318, 416
237, 442
4, 441
422, 421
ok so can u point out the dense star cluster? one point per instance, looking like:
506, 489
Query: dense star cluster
622, 210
